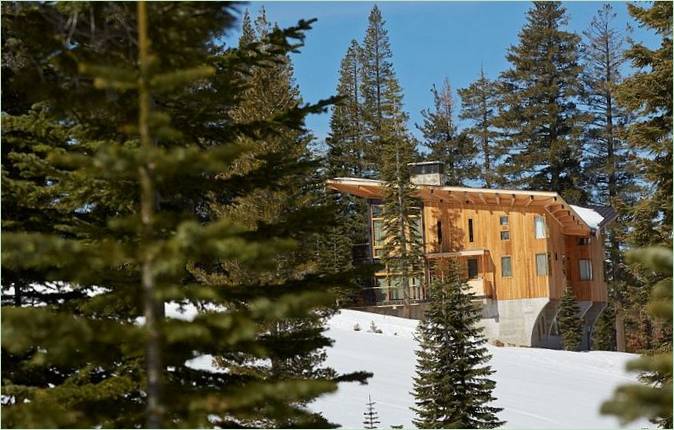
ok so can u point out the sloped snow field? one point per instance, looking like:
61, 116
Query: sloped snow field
537, 388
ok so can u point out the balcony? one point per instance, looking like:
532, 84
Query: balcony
480, 287
392, 295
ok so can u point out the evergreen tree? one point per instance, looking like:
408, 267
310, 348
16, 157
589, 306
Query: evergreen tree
648, 94
346, 145
135, 147
607, 158
371, 419
539, 120
479, 104
452, 388
606, 155
271, 91
456, 151
653, 398
570, 323
403, 247
346, 157
382, 96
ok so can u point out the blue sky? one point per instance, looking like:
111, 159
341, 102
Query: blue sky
429, 40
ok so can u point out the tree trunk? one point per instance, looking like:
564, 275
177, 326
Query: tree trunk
619, 328
152, 309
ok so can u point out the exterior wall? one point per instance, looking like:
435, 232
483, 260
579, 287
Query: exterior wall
558, 258
522, 246
518, 310
594, 290
517, 320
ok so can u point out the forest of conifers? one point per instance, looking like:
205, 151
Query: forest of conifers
144, 162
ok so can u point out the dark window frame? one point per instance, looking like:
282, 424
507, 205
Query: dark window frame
476, 266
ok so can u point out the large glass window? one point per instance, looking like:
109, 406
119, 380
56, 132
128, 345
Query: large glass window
541, 230
506, 266
381, 292
378, 229
585, 267
542, 268
396, 288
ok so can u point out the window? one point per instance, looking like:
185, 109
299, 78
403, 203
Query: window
472, 268
438, 226
585, 267
416, 228
505, 235
377, 230
503, 220
395, 288
542, 268
506, 266
389, 288
470, 230
539, 222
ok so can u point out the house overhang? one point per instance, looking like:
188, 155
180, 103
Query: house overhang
462, 253
551, 202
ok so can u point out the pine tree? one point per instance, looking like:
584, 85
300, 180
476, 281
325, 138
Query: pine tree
570, 323
653, 398
648, 94
403, 246
456, 151
271, 91
452, 388
479, 104
141, 148
346, 157
606, 152
382, 96
371, 419
539, 120
346, 145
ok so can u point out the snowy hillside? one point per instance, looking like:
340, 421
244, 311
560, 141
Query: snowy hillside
537, 388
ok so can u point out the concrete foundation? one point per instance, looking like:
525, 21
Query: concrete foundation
522, 322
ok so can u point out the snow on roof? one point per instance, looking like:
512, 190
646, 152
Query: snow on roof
589, 216
356, 180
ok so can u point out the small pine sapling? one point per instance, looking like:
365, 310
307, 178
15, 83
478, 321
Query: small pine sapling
371, 418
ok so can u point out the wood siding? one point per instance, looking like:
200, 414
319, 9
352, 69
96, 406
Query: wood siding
563, 251
595, 289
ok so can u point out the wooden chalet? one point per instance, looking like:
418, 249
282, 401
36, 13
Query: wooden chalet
519, 250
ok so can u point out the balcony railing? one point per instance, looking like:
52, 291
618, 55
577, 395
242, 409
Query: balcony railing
392, 295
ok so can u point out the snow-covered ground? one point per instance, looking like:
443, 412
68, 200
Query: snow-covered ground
537, 388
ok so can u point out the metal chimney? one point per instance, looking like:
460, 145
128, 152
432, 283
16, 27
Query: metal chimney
427, 173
